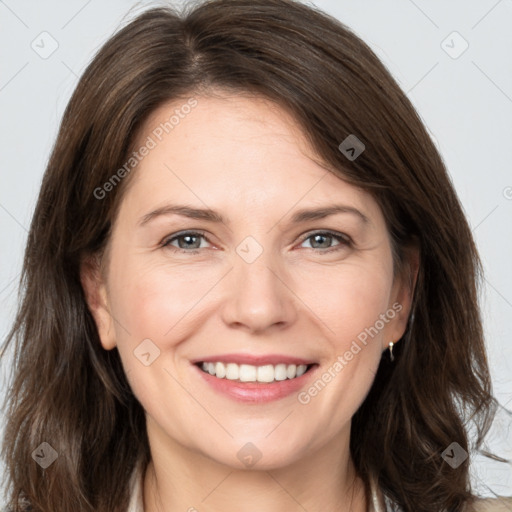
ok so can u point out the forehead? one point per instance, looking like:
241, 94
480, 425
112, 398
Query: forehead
233, 150
213, 122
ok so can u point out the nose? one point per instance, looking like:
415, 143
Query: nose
259, 298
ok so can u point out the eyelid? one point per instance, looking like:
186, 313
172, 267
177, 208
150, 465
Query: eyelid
342, 238
169, 238
336, 234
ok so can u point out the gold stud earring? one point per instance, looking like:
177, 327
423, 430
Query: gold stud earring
391, 356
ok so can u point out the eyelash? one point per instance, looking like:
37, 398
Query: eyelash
344, 241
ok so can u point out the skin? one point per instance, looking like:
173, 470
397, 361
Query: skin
247, 159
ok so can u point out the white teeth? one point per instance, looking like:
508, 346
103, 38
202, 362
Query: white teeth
220, 370
249, 373
301, 369
266, 373
291, 371
280, 372
232, 371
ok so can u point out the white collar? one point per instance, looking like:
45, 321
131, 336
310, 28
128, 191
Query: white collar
136, 485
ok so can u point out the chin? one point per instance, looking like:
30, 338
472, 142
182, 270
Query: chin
258, 454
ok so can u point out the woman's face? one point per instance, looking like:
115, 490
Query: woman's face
263, 291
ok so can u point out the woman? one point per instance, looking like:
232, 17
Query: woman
248, 283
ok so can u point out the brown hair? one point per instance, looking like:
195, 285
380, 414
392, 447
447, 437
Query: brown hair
67, 391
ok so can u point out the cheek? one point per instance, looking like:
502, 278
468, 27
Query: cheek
150, 299
350, 308
157, 300
351, 302
347, 299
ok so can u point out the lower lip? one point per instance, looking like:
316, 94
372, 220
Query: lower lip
256, 392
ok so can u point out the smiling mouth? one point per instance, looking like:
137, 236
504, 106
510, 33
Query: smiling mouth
267, 373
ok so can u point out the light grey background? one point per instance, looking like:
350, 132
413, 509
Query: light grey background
464, 98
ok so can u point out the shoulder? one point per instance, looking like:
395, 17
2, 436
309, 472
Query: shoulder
501, 504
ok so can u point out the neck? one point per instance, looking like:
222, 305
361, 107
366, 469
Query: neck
180, 479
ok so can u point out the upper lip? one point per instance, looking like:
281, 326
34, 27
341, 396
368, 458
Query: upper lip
253, 359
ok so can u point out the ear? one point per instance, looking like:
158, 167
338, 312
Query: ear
95, 290
403, 293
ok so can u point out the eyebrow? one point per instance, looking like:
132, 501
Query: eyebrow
210, 215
